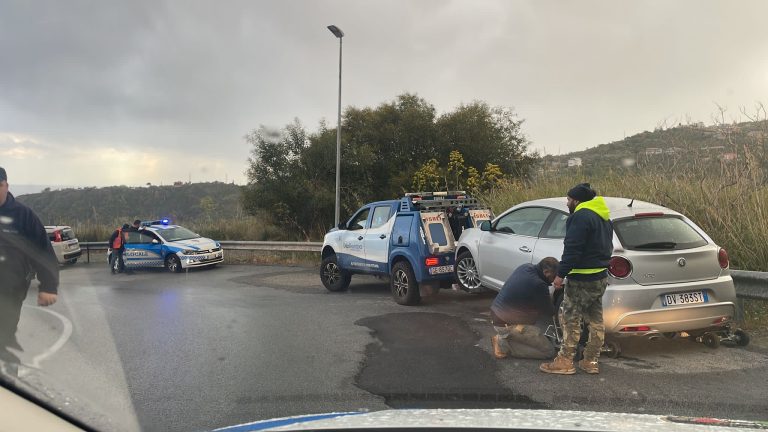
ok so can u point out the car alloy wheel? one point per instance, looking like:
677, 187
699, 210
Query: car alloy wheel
466, 272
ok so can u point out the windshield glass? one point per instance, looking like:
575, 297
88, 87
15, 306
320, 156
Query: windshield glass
337, 158
177, 234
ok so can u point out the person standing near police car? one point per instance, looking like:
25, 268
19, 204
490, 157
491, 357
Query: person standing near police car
117, 245
515, 310
25, 251
587, 248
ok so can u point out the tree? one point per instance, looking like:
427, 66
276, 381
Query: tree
455, 168
484, 134
428, 177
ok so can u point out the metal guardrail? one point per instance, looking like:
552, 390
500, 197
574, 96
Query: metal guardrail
89, 247
749, 284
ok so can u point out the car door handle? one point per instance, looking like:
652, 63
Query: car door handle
524, 249
360, 238
382, 236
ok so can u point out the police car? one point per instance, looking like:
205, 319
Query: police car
161, 244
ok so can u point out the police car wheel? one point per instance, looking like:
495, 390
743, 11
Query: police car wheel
173, 264
333, 277
403, 284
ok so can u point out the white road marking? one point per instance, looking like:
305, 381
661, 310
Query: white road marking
65, 334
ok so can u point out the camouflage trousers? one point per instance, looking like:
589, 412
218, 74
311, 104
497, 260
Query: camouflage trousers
583, 301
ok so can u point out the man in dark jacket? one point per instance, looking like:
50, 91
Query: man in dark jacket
521, 301
24, 251
587, 249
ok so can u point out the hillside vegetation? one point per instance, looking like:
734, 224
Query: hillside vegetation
119, 204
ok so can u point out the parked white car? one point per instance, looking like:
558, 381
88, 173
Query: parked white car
64, 243
666, 275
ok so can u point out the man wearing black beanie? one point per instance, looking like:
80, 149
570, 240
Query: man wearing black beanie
587, 248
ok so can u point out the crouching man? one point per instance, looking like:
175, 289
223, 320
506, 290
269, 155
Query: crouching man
522, 300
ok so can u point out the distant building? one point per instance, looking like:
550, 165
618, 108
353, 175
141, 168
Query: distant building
178, 183
574, 162
673, 150
653, 151
728, 156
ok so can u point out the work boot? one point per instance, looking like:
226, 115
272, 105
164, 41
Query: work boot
497, 351
560, 365
589, 366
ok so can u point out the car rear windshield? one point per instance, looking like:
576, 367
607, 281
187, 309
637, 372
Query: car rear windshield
657, 233
177, 234
67, 234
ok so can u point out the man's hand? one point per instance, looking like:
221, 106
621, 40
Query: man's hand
46, 299
558, 283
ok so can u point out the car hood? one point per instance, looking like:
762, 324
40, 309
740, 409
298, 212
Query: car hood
509, 419
201, 243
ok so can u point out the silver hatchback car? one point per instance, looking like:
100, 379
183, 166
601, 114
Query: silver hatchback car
666, 274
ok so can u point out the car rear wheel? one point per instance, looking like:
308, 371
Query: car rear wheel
332, 276
173, 264
403, 284
466, 272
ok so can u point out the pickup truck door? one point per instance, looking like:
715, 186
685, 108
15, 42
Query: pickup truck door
376, 238
509, 244
352, 254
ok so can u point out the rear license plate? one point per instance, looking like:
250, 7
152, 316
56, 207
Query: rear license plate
440, 270
684, 298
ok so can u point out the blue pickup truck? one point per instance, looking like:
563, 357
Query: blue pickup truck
411, 240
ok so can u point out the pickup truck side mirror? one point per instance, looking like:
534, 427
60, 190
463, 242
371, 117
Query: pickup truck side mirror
342, 226
485, 225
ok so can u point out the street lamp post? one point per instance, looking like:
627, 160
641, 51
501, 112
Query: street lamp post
339, 34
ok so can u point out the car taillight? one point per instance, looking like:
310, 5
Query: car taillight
57, 236
619, 267
431, 261
722, 258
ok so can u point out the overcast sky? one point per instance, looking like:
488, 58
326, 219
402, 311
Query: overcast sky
105, 92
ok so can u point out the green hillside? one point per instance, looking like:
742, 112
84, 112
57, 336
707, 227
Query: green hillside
111, 205
694, 144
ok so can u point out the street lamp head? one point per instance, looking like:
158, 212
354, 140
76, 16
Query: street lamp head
336, 31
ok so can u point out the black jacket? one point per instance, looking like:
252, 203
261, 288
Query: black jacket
588, 241
524, 296
25, 250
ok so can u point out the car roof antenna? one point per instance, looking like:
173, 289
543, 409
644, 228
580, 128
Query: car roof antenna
631, 202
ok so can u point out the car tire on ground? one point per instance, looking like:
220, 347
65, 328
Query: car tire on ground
466, 272
72, 261
403, 285
332, 276
173, 264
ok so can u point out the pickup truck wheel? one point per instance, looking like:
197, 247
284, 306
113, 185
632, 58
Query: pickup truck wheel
333, 277
466, 272
405, 290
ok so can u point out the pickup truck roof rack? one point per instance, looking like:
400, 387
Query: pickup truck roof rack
437, 201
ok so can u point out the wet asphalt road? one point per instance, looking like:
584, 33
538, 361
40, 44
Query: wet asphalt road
218, 347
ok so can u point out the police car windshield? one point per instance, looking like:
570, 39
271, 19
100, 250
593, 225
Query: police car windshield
177, 234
